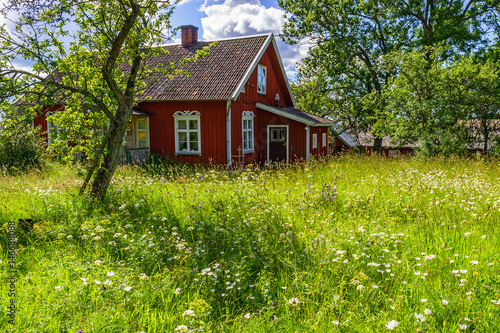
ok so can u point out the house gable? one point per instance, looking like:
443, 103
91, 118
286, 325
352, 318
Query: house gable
269, 58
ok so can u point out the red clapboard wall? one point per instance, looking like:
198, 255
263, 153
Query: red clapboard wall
212, 129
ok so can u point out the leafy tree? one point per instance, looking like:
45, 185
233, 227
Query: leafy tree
483, 100
349, 39
89, 58
439, 104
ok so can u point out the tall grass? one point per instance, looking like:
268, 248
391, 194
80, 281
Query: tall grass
345, 245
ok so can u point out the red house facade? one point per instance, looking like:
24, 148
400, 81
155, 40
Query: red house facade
235, 107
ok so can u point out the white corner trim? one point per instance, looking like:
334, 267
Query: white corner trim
186, 113
308, 145
228, 133
251, 68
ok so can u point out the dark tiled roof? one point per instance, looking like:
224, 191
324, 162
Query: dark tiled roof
348, 139
296, 113
215, 77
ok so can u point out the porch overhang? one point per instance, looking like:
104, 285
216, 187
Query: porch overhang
297, 115
139, 113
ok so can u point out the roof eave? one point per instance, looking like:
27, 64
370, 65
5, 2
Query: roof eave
292, 117
250, 69
270, 39
346, 143
284, 72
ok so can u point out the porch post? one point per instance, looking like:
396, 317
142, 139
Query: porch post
228, 132
307, 143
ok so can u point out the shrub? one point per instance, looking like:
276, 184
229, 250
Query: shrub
21, 148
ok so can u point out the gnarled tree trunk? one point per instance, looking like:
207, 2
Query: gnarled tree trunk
111, 158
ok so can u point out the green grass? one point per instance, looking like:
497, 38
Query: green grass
346, 245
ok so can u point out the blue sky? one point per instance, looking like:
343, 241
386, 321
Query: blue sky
218, 19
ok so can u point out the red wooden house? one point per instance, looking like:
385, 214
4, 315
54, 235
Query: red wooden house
236, 107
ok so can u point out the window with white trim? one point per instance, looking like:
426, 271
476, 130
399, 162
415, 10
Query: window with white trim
187, 132
324, 140
261, 79
394, 153
278, 134
53, 132
142, 132
315, 141
247, 129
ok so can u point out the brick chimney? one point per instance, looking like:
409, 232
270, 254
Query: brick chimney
189, 35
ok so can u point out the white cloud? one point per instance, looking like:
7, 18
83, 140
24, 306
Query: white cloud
183, 2
234, 18
238, 17
291, 55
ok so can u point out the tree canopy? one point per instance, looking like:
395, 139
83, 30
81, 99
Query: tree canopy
89, 58
350, 41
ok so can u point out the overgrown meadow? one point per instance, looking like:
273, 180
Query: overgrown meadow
348, 245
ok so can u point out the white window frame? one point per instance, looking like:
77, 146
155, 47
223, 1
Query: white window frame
50, 126
315, 141
261, 77
146, 130
187, 115
248, 116
324, 138
394, 153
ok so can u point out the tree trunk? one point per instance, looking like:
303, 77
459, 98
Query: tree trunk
111, 158
377, 145
486, 135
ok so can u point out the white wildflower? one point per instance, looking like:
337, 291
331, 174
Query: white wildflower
419, 317
392, 325
181, 329
293, 301
189, 313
